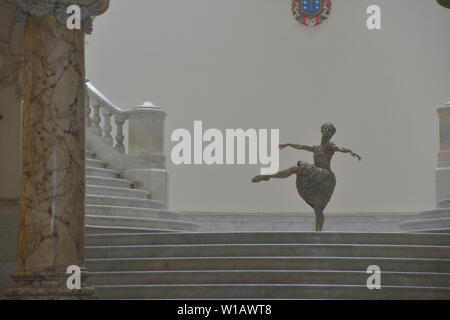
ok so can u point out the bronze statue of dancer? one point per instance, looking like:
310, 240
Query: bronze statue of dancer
315, 183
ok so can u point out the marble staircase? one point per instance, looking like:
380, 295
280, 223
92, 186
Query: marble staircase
268, 265
113, 205
137, 249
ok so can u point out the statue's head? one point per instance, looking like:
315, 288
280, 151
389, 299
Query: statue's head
328, 130
444, 3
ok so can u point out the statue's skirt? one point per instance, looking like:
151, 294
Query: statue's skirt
315, 185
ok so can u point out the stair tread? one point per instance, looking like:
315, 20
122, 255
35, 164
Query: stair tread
108, 178
269, 285
115, 188
99, 190
270, 258
431, 230
289, 237
90, 160
241, 291
287, 245
140, 219
101, 169
430, 220
125, 208
125, 198
259, 271
128, 228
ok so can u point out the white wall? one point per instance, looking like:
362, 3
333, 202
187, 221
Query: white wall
248, 63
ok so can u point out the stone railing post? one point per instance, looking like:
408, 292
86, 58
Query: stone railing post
146, 140
146, 130
107, 128
95, 123
51, 233
119, 120
443, 169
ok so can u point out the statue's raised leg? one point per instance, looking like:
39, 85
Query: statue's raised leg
281, 175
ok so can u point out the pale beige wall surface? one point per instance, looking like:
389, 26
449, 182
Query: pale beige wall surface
249, 64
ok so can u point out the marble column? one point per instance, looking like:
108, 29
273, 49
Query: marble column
443, 169
51, 235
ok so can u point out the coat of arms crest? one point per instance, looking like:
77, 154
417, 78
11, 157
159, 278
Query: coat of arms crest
311, 12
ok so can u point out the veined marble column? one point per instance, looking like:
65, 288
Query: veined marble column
52, 153
443, 169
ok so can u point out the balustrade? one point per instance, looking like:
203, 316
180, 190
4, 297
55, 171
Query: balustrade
106, 119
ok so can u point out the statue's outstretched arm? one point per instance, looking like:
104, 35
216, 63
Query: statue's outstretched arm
296, 146
344, 150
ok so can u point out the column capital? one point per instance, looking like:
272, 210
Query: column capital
42, 8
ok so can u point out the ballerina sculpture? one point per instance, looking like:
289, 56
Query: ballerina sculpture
315, 183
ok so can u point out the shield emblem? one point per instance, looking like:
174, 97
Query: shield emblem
311, 12
311, 6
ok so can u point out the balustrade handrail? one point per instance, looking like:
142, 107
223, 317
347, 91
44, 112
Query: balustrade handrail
103, 107
101, 99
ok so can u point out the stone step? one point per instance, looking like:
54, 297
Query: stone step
117, 192
90, 154
108, 182
278, 237
435, 214
151, 223
434, 230
444, 203
95, 163
267, 277
101, 172
266, 250
116, 211
269, 291
269, 263
295, 222
438, 223
114, 231
124, 201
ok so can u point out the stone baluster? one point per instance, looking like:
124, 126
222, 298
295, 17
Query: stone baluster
51, 234
107, 128
119, 120
88, 111
96, 119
